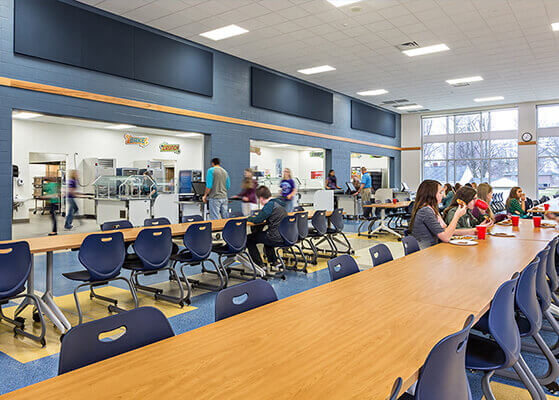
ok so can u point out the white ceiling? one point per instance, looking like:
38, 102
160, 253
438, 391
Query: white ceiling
508, 42
260, 143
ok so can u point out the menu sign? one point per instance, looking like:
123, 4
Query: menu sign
141, 141
170, 148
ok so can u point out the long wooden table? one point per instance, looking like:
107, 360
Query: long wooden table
348, 339
50, 244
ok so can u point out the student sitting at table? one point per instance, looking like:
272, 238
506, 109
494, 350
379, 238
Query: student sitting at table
467, 195
448, 195
484, 193
272, 213
516, 203
426, 224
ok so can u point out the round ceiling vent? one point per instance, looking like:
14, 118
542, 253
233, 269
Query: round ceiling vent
355, 9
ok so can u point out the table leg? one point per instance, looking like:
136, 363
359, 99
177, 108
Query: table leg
385, 227
48, 296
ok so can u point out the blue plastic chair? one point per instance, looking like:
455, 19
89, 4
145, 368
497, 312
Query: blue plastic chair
380, 254
396, 389
243, 297
410, 245
318, 235
82, 346
102, 255
192, 218
303, 232
116, 225
502, 350
342, 266
235, 236
289, 232
156, 221
197, 241
15, 267
443, 376
337, 230
154, 248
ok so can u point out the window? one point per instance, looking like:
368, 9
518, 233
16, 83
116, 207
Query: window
473, 147
548, 150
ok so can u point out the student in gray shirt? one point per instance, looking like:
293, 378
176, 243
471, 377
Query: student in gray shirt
426, 224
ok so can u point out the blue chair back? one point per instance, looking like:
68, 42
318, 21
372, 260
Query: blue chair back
235, 234
443, 375
15, 266
502, 322
288, 230
154, 247
551, 269
342, 266
396, 389
82, 346
302, 224
102, 254
319, 222
527, 299
243, 297
198, 240
157, 221
115, 225
192, 218
337, 219
380, 254
410, 244
542, 287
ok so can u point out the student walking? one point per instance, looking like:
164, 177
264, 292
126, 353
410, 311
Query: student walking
217, 185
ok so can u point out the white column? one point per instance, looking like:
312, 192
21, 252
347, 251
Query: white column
527, 155
411, 159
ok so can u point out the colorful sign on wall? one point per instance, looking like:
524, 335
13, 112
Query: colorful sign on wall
317, 174
141, 141
170, 148
255, 150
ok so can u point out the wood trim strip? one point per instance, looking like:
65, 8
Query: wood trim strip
410, 148
38, 87
527, 143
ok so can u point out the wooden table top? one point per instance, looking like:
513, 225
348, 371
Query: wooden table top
347, 339
526, 231
399, 204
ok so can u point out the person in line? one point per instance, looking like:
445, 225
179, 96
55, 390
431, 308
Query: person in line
365, 187
474, 185
448, 195
288, 190
516, 202
426, 223
457, 186
71, 195
355, 181
248, 193
149, 187
331, 181
272, 214
484, 193
217, 185
468, 196
51, 189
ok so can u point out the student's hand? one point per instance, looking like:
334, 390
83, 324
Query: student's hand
461, 211
289, 196
487, 224
204, 199
523, 196
245, 199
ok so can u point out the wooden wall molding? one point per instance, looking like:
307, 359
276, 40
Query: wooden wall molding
527, 143
38, 87
410, 148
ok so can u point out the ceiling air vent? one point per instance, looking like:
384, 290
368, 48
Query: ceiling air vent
419, 111
407, 46
395, 101
460, 84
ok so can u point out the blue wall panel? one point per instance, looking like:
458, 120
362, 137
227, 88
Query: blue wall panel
231, 98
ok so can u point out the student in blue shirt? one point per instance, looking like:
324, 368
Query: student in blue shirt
288, 190
217, 185
365, 189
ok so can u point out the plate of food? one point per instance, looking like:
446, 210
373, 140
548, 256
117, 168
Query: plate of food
464, 237
463, 242
506, 222
502, 234
547, 224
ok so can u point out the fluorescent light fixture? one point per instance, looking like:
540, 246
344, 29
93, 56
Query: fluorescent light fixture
375, 92
555, 26
224, 33
464, 80
120, 126
279, 145
316, 70
313, 149
341, 3
26, 115
189, 134
410, 107
426, 50
482, 99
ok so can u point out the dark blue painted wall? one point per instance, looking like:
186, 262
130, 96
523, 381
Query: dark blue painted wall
231, 98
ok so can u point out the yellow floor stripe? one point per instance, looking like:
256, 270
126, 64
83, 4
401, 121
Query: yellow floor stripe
25, 350
508, 392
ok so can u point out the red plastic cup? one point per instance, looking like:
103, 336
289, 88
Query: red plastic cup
515, 220
546, 207
481, 231
537, 221
482, 205
394, 201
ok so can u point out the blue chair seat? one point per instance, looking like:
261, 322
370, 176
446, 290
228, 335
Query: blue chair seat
222, 248
523, 324
182, 256
406, 396
332, 230
484, 354
15, 292
82, 276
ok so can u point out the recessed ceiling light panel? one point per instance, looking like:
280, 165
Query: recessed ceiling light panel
376, 92
224, 33
436, 48
341, 3
410, 107
555, 26
26, 115
469, 79
493, 98
316, 70
120, 126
